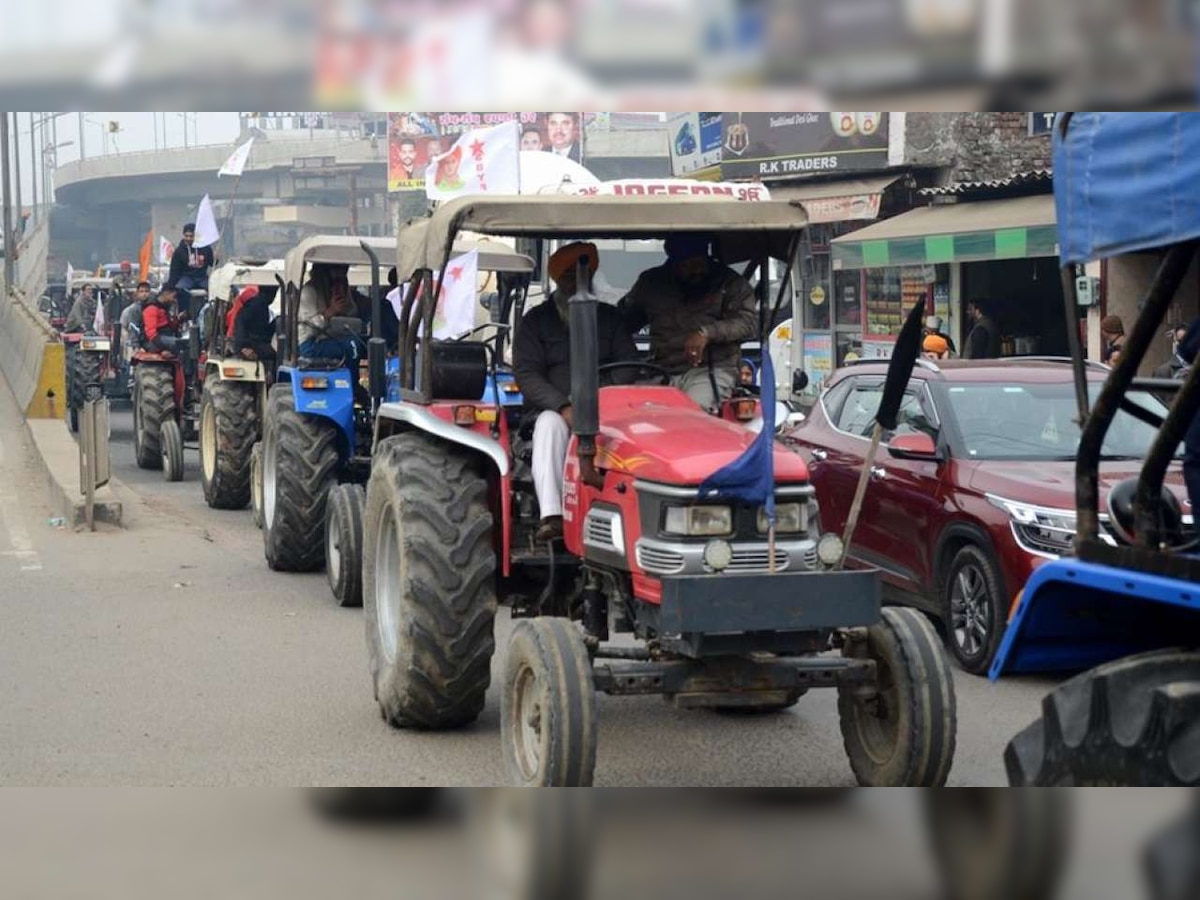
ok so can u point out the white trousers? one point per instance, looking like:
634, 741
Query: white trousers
697, 384
550, 437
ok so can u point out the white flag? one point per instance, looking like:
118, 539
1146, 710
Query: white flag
455, 313
165, 250
484, 161
207, 232
70, 275
236, 163
98, 318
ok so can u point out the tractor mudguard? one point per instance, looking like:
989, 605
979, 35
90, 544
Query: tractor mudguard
330, 394
1077, 615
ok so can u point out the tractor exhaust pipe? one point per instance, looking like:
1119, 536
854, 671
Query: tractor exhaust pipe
376, 346
585, 373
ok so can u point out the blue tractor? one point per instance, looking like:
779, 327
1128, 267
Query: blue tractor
1125, 609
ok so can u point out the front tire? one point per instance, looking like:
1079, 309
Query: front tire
429, 591
153, 404
1130, 723
548, 716
228, 429
905, 736
343, 543
976, 609
171, 440
256, 484
300, 462
82, 369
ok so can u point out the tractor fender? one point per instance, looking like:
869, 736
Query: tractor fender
335, 402
396, 417
251, 371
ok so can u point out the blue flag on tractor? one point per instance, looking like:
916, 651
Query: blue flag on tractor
751, 477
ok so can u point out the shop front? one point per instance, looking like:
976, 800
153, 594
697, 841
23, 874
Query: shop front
1003, 252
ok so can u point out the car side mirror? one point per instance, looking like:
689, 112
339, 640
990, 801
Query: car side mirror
918, 446
799, 382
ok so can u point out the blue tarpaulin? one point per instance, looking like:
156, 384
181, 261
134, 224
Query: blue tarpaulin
1125, 182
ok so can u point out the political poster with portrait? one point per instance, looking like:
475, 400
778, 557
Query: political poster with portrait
784, 145
417, 139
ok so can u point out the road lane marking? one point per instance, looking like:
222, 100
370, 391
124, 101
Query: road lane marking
18, 534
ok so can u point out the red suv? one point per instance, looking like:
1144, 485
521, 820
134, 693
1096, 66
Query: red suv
975, 488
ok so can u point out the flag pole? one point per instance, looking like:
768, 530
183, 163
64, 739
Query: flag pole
229, 216
771, 547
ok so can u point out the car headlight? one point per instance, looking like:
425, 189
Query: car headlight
790, 518
1043, 530
699, 521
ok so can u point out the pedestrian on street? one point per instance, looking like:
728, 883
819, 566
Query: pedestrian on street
1176, 367
1112, 337
933, 326
983, 341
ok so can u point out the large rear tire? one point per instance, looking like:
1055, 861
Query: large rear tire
300, 462
228, 429
343, 543
83, 369
1130, 723
905, 735
995, 844
153, 404
428, 583
548, 716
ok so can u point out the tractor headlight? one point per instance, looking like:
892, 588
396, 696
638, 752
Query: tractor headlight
699, 521
830, 549
790, 518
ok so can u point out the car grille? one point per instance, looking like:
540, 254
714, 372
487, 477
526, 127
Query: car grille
659, 561
757, 560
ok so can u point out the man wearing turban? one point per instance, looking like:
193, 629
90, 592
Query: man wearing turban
699, 313
542, 367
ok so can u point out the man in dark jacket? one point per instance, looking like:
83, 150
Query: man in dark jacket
542, 367
983, 341
189, 267
699, 313
160, 327
83, 311
252, 329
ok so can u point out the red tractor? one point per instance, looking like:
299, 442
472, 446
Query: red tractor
722, 615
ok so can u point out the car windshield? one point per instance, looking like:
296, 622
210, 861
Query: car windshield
1037, 421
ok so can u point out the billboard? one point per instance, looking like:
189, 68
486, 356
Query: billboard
415, 138
695, 142
785, 145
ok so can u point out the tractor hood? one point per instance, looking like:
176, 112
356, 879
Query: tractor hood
659, 434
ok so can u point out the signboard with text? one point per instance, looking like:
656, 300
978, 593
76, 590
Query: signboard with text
1041, 123
785, 145
695, 141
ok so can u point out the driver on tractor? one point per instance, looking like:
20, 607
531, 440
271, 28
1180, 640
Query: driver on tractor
249, 325
326, 296
160, 327
83, 311
542, 367
699, 312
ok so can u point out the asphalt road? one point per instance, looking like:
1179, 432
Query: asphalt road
166, 653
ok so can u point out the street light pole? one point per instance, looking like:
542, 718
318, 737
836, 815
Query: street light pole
33, 173
16, 139
82, 150
7, 205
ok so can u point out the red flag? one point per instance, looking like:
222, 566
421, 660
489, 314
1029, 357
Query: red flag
144, 256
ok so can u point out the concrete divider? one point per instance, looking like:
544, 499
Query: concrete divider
31, 354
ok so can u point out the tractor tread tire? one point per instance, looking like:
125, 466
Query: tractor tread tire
83, 369
171, 441
256, 484
447, 605
1134, 722
344, 519
154, 401
235, 407
306, 471
926, 735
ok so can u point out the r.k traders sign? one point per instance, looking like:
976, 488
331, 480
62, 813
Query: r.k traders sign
787, 145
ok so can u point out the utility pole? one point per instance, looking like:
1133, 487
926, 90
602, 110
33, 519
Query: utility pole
48, 193
7, 206
33, 171
82, 151
16, 139
185, 138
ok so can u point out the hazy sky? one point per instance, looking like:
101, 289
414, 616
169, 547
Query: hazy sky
139, 131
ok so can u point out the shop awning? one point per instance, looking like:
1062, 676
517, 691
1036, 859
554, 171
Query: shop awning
1018, 228
839, 201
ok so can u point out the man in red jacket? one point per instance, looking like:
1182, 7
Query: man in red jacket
160, 327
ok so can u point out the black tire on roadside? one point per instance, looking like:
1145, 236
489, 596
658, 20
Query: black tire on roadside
153, 404
300, 462
343, 543
906, 736
84, 369
997, 844
171, 441
428, 582
1130, 723
256, 484
548, 715
228, 430
975, 609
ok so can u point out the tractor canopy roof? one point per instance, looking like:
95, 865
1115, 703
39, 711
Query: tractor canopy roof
1125, 182
244, 272
494, 256
741, 229
338, 249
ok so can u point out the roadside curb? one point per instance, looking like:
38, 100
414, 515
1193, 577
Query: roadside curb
59, 457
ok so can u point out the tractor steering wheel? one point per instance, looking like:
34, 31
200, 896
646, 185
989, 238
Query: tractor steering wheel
663, 375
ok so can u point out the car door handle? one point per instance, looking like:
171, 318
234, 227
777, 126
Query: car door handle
820, 455
878, 473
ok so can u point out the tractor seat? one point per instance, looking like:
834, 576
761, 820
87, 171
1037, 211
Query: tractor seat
322, 364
